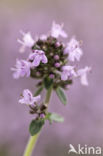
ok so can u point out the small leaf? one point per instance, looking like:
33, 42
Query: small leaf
54, 117
48, 117
48, 82
39, 91
57, 118
61, 95
35, 126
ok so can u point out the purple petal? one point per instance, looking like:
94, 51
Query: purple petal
44, 59
36, 61
64, 76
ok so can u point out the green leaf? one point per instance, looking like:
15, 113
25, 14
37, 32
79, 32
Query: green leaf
39, 91
54, 117
48, 82
35, 126
61, 95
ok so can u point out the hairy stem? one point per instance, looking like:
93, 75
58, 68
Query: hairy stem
33, 139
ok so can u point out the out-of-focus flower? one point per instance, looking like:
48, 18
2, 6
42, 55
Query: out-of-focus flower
27, 41
57, 30
58, 44
43, 37
22, 68
73, 50
38, 56
82, 73
68, 72
28, 99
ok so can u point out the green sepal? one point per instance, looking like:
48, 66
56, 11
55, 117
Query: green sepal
48, 82
39, 90
61, 95
35, 126
54, 117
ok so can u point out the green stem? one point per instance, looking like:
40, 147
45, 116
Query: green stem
48, 95
31, 144
33, 139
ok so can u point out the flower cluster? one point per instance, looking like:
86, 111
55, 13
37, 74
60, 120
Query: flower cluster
53, 63
50, 59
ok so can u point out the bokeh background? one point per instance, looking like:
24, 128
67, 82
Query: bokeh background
84, 112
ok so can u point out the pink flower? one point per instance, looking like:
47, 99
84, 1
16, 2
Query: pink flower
22, 68
57, 30
82, 73
27, 41
38, 56
28, 98
68, 72
73, 50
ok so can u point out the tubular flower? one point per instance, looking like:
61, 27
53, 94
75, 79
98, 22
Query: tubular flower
22, 68
28, 99
73, 50
57, 30
68, 73
82, 73
38, 56
27, 41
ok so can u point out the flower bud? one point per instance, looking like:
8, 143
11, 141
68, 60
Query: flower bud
57, 44
56, 57
57, 65
42, 115
51, 76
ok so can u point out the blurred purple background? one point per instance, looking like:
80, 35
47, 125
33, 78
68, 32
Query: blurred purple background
84, 112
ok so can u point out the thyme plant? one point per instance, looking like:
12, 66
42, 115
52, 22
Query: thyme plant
54, 65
